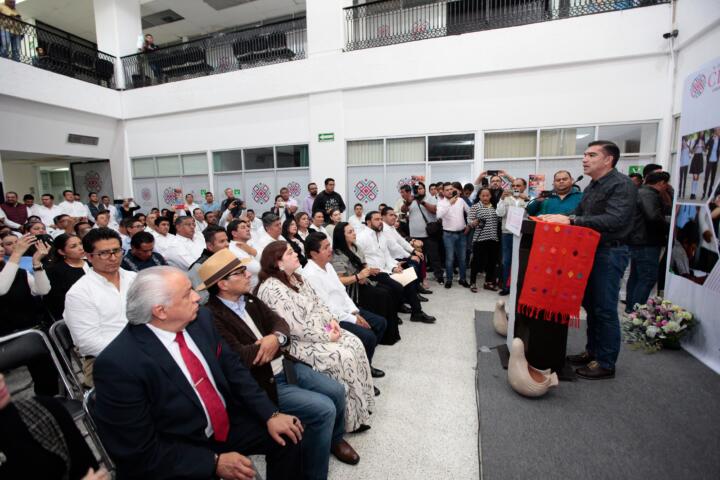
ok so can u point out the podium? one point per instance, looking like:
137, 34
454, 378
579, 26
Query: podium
546, 342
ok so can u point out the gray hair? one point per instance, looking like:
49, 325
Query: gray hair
150, 288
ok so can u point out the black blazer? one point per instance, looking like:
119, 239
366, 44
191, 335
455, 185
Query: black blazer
150, 418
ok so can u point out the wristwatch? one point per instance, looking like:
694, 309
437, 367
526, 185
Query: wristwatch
38, 268
282, 339
572, 219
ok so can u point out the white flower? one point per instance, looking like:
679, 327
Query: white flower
636, 321
651, 331
671, 327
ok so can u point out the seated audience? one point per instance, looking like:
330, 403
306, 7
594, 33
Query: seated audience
64, 224
141, 254
316, 336
81, 228
256, 224
349, 263
261, 338
289, 233
102, 219
318, 222
187, 247
9, 242
73, 207
95, 304
16, 213
215, 240
357, 220
127, 208
302, 220
334, 217
241, 244
407, 253
38, 435
273, 232
200, 223
128, 228
47, 211
164, 240
174, 400
67, 266
320, 274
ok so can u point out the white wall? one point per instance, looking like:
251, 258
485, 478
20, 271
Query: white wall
20, 178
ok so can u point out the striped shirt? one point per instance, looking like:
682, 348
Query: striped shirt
487, 229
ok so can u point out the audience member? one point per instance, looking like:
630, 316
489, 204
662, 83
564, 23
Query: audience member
335, 217
82, 228
94, 206
16, 213
230, 198
102, 219
29, 202
164, 241
302, 220
127, 208
486, 244
421, 211
452, 213
318, 222
95, 305
261, 338
67, 266
131, 226
327, 200
510, 198
200, 223
563, 199
316, 337
357, 219
290, 235
636, 178
141, 254
256, 224
107, 205
187, 247
73, 207
173, 400
273, 231
210, 204
64, 224
310, 199
216, 239
407, 253
47, 211
211, 218
241, 244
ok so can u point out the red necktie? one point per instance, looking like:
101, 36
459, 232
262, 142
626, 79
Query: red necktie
209, 396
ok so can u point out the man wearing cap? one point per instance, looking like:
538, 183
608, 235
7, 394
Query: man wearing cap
261, 338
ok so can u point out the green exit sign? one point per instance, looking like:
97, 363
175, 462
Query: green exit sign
635, 169
326, 137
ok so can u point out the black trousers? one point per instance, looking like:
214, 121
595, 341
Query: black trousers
250, 437
408, 293
431, 249
368, 336
710, 171
484, 259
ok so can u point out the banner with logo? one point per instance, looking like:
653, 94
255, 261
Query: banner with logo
92, 177
693, 279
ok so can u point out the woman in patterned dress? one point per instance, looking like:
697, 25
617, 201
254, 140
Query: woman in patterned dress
317, 338
486, 244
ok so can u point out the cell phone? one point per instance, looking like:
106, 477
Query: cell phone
493, 173
546, 193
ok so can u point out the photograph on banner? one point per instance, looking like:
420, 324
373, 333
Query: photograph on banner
714, 207
694, 252
536, 184
699, 154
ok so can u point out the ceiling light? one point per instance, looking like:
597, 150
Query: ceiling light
582, 135
62, 169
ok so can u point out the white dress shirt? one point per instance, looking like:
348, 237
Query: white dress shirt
74, 209
95, 311
186, 251
253, 267
256, 226
47, 215
331, 291
357, 223
320, 229
39, 282
374, 245
398, 246
188, 207
163, 243
261, 242
168, 341
452, 215
238, 309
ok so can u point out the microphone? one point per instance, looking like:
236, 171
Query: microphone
578, 179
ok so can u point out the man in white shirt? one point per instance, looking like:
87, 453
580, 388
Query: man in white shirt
256, 225
407, 253
273, 231
95, 305
373, 244
356, 220
321, 275
188, 247
238, 231
510, 198
451, 210
48, 210
164, 241
72, 207
200, 223
107, 204
289, 204
189, 206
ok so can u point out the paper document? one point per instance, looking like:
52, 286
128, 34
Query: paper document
407, 276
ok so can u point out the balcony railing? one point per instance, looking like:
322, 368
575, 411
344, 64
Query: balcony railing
45, 49
219, 53
387, 22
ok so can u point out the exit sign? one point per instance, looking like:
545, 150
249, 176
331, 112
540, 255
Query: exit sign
635, 169
326, 137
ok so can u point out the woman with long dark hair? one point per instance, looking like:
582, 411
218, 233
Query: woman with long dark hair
317, 338
67, 266
289, 232
302, 220
349, 263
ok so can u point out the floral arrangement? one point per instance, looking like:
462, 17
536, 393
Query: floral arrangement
657, 324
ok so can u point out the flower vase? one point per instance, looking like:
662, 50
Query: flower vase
671, 344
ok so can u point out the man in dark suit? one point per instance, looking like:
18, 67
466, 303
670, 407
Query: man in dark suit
261, 337
174, 401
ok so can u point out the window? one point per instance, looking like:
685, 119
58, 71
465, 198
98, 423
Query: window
511, 144
631, 138
228, 161
195, 164
168, 166
143, 167
406, 150
292, 156
365, 152
259, 158
451, 147
564, 142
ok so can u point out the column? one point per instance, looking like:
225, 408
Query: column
325, 26
118, 27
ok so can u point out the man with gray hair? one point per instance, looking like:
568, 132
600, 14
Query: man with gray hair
173, 399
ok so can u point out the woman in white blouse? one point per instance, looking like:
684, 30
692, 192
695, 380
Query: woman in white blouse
303, 225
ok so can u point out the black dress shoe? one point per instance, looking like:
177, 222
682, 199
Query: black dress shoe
377, 391
424, 290
440, 279
464, 283
376, 372
361, 428
422, 299
580, 359
404, 309
448, 284
400, 321
593, 371
422, 317
504, 292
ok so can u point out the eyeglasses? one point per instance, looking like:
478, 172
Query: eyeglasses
106, 254
239, 271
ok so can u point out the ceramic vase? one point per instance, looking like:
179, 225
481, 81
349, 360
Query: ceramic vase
525, 379
500, 319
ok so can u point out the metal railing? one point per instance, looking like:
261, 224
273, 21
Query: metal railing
387, 22
32, 45
219, 53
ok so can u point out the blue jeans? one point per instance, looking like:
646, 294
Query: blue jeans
601, 304
368, 336
10, 41
455, 244
319, 402
507, 246
644, 268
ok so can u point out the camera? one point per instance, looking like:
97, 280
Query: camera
516, 193
545, 193
415, 189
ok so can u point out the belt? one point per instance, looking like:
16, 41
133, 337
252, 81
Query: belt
454, 231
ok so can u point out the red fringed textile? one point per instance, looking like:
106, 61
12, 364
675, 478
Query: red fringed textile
561, 259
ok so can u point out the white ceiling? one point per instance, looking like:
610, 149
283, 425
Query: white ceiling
77, 16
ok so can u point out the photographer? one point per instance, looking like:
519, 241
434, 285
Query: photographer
420, 210
229, 198
233, 211
562, 199
510, 198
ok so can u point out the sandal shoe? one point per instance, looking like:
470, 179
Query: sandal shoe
473, 288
